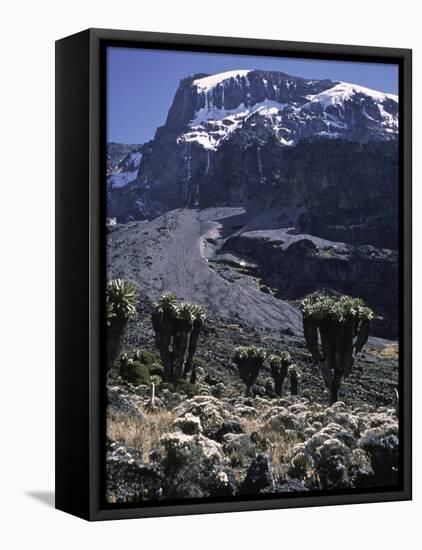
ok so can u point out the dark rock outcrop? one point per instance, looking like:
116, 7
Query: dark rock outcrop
298, 265
128, 480
260, 477
229, 140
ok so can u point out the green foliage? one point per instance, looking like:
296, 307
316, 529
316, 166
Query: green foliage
156, 369
135, 372
168, 300
294, 375
165, 386
186, 387
156, 379
121, 300
294, 371
199, 362
279, 365
249, 360
145, 357
335, 328
300, 466
249, 352
177, 327
278, 361
285, 357
321, 306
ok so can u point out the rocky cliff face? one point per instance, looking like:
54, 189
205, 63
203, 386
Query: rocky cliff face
265, 137
321, 156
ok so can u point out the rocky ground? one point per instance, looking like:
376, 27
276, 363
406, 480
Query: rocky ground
250, 267
210, 440
220, 443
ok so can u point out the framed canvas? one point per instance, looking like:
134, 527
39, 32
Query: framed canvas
233, 274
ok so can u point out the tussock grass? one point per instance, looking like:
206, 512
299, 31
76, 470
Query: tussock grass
390, 352
139, 435
273, 441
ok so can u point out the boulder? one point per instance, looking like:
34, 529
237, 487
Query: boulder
127, 479
382, 446
260, 477
123, 404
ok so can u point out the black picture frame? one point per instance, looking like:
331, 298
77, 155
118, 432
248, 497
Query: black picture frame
80, 273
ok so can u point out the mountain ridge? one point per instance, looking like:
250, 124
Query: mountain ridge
226, 138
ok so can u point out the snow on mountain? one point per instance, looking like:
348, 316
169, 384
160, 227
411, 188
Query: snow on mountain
207, 83
212, 125
338, 110
344, 91
124, 171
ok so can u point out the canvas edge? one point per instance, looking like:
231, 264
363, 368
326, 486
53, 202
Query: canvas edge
99, 36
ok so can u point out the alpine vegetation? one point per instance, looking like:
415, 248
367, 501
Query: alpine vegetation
252, 301
249, 360
177, 328
279, 365
334, 330
121, 302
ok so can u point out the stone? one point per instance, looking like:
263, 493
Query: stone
123, 404
382, 446
127, 479
260, 476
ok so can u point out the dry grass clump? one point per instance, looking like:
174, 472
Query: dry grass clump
388, 352
274, 440
142, 436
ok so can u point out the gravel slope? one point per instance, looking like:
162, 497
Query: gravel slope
171, 253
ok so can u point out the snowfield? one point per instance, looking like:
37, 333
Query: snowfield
330, 113
207, 83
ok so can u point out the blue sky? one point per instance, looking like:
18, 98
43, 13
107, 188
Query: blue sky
141, 83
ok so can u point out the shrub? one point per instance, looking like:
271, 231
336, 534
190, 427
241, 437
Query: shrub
156, 369
156, 379
146, 357
135, 372
199, 362
186, 387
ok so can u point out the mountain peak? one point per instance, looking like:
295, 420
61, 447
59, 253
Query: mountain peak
216, 106
207, 83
